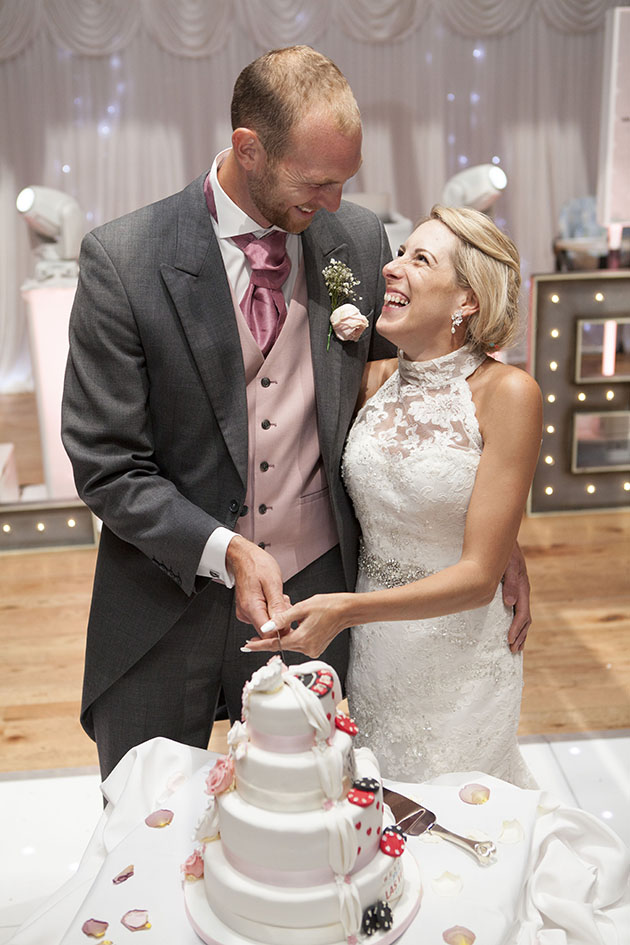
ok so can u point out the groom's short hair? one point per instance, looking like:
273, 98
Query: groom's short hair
281, 87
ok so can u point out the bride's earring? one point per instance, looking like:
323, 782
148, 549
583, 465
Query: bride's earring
456, 319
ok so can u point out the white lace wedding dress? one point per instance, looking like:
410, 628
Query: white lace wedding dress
438, 695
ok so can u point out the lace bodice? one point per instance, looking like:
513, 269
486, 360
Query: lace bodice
442, 694
410, 461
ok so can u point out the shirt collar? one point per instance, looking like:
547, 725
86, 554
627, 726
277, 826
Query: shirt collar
231, 220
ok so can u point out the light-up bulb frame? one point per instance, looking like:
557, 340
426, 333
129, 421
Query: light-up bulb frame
557, 302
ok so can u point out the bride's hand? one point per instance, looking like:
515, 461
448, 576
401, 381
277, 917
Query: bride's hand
319, 620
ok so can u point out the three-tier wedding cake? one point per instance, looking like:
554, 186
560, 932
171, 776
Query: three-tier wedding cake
295, 846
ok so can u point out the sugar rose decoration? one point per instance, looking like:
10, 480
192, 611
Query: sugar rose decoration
221, 777
346, 320
192, 868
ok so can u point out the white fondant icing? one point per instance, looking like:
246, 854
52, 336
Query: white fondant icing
278, 713
297, 861
212, 930
311, 706
208, 824
243, 902
287, 782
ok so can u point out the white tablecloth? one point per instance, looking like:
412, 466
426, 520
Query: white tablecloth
561, 877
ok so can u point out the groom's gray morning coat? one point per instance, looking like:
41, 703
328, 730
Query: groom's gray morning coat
155, 412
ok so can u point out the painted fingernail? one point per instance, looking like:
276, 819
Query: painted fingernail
268, 627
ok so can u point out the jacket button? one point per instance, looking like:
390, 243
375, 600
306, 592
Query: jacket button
244, 511
234, 506
265, 382
264, 466
262, 508
266, 424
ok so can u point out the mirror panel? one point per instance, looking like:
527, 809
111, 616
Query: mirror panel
601, 441
602, 350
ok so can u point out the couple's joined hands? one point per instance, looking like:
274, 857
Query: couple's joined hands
260, 598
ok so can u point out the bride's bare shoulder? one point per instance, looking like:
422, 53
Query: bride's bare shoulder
504, 390
375, 374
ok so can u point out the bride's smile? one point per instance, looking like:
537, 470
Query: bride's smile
422, 293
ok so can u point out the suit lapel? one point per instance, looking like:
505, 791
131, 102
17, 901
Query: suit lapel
201, 295
319, 249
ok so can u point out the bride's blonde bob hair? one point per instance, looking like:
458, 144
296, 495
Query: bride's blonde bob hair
486, 261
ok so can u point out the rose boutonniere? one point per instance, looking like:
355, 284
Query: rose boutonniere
346, 320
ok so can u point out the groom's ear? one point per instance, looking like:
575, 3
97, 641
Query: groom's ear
248, 149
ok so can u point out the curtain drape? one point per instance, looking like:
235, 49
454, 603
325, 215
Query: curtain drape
122, 102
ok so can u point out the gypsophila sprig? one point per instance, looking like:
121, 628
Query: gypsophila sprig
340, 283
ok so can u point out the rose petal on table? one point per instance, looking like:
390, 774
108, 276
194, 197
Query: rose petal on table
136, 920
474, 794
94, 927
159, 818
458, 935
448, 884
511, 832
127, 873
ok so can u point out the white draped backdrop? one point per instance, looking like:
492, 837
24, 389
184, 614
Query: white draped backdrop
121, 102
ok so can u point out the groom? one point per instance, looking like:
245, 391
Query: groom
205, 412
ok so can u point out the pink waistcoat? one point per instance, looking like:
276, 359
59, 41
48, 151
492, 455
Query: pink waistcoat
288, 507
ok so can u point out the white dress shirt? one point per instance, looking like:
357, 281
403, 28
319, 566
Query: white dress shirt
232, 221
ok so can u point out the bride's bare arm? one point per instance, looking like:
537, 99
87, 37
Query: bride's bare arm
510, 418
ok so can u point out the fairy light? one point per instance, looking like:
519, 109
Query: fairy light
626, 486
71, 523
6, 528
599, 296
555, 298
549, 490
553, 365
554, 333
40, 527
581, 395
550, 428
610, 395
551, 398
549, 460
591, 488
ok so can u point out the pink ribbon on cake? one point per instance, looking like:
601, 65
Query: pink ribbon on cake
292, 878
283, 744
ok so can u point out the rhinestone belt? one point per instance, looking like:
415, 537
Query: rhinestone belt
387, 572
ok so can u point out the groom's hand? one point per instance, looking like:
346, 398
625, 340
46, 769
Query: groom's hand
257, 581
516, 594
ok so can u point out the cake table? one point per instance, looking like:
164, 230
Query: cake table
561, 877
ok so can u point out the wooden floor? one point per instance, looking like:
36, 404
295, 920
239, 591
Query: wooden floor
577, 658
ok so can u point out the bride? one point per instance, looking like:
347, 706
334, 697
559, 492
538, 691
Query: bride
438, 465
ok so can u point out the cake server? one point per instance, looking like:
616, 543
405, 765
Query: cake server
414, 819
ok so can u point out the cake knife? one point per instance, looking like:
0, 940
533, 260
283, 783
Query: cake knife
414, 819
269, 627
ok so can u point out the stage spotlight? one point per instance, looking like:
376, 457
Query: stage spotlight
477, 187
57, 225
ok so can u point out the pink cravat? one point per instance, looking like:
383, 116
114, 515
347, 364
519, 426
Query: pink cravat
263, 304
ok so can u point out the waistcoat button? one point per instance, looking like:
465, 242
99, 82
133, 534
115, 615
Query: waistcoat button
262, 544
244, 511
234, 506
265, 382
264, 466
265, 424
262, 509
